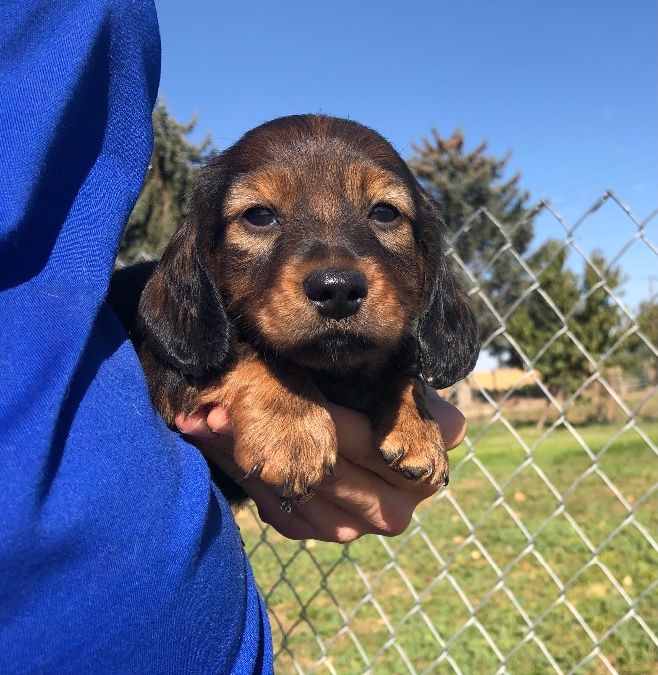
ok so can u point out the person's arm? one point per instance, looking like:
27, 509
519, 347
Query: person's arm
117, 552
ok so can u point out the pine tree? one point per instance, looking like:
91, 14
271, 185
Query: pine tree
463, 183
579, 303
535, 322
599, 319
162, 204
638, 354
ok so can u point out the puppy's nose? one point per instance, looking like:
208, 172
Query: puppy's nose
336, 294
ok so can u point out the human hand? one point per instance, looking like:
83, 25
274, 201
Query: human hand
364, 496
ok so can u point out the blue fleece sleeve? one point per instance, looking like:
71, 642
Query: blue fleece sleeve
117, 554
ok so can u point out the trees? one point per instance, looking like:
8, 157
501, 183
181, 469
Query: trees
466, 183
565, 313
647, 319
463, 183
162, 204
639, 354
534, 323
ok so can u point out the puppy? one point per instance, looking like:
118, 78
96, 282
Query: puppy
311, 268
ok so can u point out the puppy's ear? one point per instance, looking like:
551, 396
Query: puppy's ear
181, 312
448, 334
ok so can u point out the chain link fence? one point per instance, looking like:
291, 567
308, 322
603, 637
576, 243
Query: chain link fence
541, 556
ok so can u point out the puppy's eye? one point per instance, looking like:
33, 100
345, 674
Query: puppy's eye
384, 213
259, 216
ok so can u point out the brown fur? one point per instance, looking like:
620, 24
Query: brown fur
409, 439
283, 433
226, 319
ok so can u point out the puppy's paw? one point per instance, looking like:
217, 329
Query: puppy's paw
290, 450
412, 445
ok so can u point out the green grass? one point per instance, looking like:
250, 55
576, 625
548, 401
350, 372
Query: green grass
431, 579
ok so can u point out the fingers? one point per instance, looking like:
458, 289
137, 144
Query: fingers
356, 441
318, 519
219, 421
352, 503
451, 422
268, 503
379, 506
363, 496
212, 426
341, 511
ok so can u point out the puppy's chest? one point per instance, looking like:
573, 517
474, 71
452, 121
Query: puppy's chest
358, 391
361, 390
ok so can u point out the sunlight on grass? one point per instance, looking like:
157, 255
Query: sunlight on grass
467, 595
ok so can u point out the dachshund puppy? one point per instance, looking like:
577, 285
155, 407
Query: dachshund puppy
311, 268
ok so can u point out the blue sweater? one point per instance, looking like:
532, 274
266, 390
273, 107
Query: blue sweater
117, 553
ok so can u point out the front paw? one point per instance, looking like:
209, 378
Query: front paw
413, 447
291, 451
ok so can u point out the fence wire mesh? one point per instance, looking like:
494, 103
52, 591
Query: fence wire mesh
541, 556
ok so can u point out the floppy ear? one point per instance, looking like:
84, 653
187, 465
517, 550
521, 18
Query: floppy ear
181, 312
448, 334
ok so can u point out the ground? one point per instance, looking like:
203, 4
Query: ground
550, 536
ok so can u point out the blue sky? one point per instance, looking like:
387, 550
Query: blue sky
569, 87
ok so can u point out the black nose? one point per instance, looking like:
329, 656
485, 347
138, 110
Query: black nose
336, 294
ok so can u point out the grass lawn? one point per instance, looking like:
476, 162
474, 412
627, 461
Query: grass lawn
538, 549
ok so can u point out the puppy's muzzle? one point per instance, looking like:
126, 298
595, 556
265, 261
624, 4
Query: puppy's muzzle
336, 293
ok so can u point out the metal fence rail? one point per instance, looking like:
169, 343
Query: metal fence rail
541, 556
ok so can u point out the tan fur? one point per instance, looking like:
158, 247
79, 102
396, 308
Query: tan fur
287, 318
410, 440
239, 238
399, 239
282, 431
321, 178
272, 188
366, 183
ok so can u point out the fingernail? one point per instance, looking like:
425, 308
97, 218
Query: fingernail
218, 420
188, 423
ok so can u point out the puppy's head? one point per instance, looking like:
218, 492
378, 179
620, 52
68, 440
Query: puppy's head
312, 239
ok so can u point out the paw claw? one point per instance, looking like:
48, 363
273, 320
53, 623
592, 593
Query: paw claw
254, 471
392, 457
413, 472
430, 470
295, 487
